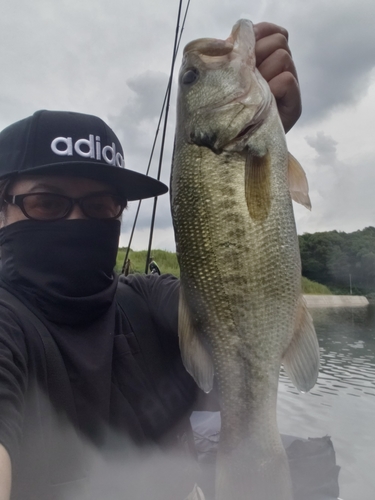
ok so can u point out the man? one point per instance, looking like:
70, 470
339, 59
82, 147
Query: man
80, 355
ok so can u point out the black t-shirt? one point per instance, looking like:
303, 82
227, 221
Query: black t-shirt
113, 385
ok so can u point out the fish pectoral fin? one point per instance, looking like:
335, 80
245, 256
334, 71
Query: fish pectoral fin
301, 360
298, 185
195, 356
258, 186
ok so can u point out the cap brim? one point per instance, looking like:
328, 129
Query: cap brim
128, 183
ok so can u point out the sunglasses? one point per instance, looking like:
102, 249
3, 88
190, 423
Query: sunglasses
52, 206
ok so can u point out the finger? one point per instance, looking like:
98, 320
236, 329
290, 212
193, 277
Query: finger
287, 93
276, 63
266, 46
262, 30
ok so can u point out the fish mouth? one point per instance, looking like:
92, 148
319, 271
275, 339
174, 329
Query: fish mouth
250, 127
212, 140
259, 117
248, 130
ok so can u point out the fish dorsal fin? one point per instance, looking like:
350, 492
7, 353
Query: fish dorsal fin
195, 356
258, 186
298, 185
301, 360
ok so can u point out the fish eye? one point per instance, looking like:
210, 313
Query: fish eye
190, 76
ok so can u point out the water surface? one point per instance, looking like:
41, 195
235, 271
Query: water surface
342, 403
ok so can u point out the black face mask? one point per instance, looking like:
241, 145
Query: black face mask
64, 268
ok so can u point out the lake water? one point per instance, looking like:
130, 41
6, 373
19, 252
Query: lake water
342, 403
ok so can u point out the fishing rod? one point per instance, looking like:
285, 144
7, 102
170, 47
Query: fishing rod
163, 137
147, 172
166, 100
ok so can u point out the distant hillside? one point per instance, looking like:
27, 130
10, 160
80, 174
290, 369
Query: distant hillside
167, 262
338, 259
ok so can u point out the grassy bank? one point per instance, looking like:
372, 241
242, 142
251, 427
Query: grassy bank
311, 287
167, 262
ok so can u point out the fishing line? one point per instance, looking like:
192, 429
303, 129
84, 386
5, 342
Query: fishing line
178, 37
147, 172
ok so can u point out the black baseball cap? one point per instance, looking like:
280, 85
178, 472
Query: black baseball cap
67, 143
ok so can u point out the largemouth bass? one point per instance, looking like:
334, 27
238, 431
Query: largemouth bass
241, 311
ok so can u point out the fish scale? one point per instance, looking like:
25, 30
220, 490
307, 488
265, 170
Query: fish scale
214, 221
241, 310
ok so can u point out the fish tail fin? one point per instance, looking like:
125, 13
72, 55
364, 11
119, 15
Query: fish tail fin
253, 476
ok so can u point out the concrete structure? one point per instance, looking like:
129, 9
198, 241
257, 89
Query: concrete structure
335, 301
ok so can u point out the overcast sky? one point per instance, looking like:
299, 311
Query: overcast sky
112, 58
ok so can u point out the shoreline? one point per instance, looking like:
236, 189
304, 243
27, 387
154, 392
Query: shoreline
319, 301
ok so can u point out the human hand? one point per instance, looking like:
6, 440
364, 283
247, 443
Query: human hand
275, 63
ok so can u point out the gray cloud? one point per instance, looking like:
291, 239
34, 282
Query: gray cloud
144, 218
342, 191
137, 120
112, 58
80, 54
136, 126
149, 89
332, 46
325, 146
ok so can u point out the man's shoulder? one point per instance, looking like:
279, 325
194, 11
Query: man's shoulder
149, 284
157, 296
148, 279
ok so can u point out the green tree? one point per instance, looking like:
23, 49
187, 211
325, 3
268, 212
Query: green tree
332, 256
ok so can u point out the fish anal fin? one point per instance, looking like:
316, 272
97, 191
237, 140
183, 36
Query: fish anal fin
301, 360
195, 356
258, 186
298, 185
